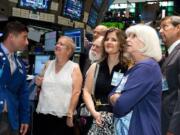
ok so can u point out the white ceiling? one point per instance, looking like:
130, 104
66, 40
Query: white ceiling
125, 1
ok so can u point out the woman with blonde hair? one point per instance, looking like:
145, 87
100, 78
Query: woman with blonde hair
139, 91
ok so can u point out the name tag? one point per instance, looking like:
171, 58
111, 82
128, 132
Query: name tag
121, 85
164, 84
116, 79
1, 71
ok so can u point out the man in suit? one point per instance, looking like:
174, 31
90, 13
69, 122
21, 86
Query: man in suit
170, 33
14, 95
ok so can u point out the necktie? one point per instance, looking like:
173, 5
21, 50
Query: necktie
11, 62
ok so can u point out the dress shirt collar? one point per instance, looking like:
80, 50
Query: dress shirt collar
6, 51
171, 48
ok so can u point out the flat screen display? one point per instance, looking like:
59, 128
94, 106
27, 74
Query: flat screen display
42, 5
77, 35
93, 16
40, 61
73, 9
50, 41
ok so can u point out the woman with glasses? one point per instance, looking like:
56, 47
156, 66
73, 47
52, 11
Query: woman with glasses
60, 90
107, 71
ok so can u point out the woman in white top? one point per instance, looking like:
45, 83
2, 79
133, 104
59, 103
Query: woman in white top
60, 90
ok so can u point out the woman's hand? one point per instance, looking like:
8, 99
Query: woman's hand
69, 121
38, 80
99, 120
113, 98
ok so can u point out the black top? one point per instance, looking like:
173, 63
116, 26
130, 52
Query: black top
103, 83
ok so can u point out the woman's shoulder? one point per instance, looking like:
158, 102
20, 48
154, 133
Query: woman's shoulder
72, 63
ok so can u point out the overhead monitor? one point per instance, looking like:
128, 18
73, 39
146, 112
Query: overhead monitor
73, 9
92, 19
50, 40
77, 34
37, 5
40, 61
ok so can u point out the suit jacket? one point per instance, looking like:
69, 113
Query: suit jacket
13, 91
171, 98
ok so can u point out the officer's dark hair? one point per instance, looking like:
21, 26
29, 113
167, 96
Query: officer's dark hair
15, 28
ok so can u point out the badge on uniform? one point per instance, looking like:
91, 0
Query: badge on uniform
1, 70
1, 54
121, 84
164, 84
21, 71
116, 79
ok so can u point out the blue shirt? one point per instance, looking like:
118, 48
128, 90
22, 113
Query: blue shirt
142, 95
13, 90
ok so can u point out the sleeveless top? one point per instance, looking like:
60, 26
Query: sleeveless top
103, 83
56, 90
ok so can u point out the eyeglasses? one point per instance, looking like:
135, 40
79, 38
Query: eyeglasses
96, 46
131, 35
166, 27
62, 45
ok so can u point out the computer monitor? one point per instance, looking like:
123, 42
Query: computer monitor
50, 40
77, 34
92, 19
37, 5
73, 9
39, 63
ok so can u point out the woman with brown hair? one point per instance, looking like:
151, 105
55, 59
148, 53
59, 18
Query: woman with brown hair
109, 72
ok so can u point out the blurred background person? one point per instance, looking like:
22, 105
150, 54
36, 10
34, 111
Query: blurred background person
14, 95
96, 50
170, 33
98, 31
92, 52
141, 87
113, 63
95, 55
60, 90
85, 61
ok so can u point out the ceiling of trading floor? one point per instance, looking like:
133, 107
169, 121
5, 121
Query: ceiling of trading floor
129, 1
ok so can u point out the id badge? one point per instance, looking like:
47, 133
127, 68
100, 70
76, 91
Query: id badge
121, 85
164, 84
1, 71
1, 105
116, 79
